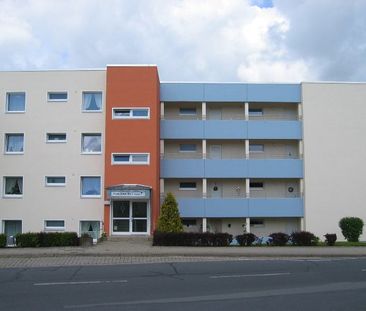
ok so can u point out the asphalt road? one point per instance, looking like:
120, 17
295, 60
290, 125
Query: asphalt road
313, 284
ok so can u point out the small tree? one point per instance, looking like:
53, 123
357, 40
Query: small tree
351, 228
169, 219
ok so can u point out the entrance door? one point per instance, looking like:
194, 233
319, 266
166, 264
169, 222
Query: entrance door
130, 217
11, 229
215, 152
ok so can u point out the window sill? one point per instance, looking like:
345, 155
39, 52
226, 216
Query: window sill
91, 153
13, 153
13, 196
90, 197
14, 112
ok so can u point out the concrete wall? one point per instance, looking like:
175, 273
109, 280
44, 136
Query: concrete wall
172, 149
275, 188
171, 111
40, 159
275, 149
228, 111
275, 111
172, 185
230, 149
335, 154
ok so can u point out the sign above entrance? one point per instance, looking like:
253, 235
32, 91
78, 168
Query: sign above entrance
129, 194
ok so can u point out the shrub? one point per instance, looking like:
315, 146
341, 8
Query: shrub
2, 240
46, 239
246, 239
191, 239
304, 238
351, 228
279, 238
330, 239
169, 220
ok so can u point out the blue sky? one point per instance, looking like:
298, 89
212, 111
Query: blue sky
190, 40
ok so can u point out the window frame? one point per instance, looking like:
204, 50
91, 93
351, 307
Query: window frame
91, 152
55, 141
255, 112
57, 100
90, 196
260, 223
256, 151
82, 102
47, 184
130, 161
15, 196
188, 144
8, 94
54, 229
6, 143
256, 188
131, 116
187, 188
187, 114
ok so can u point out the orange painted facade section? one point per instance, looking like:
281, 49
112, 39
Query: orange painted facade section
129, 87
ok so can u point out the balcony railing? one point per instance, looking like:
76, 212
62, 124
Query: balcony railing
268, 116
254, 194
252, 156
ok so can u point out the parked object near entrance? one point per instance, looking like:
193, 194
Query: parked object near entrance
169, 220
351, 228
86, 240
2, 240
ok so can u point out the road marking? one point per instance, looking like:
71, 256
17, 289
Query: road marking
247, 275
363, 270
78, 283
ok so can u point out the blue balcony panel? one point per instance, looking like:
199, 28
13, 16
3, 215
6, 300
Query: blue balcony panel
225, 129
230, 92
274, 129
226, 207
225, 92
285, 93
180, 92
279, 168
281, 207
190, 168
191, 207
181, 129
226, 168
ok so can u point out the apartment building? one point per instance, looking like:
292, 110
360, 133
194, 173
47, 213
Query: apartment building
97, 150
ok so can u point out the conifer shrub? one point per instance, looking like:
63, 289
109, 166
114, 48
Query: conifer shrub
169, 219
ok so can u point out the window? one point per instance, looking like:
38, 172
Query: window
92, 101
130, 158
255, 112
90, 186
54, 225
15, 102
55, 181
187, 186
130, 113
256, 222
56, 137
256, 148
189, 222
187, 147
256, 185
91, 143
188, 111
13, 186
14, 143
57, 96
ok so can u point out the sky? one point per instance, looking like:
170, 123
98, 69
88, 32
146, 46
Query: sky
190, 40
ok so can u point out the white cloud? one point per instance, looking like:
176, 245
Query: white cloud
221, 40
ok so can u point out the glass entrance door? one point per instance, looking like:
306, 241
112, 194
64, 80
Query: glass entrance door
11, 229
130, 217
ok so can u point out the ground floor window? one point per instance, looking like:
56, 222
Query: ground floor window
92, 228
11, 229
130, 217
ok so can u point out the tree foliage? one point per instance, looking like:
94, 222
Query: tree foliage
351, 228
169, 220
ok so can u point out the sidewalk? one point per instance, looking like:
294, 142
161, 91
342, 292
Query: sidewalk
141, 247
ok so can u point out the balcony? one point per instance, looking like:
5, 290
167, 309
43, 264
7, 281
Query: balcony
241, 207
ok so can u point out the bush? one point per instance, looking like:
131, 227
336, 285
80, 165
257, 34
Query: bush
330, 239
47, 239
303, 238
2, 240
351, 228
246, 239
169, 220
191, 239
279, 238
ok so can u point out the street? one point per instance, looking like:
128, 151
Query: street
253, 284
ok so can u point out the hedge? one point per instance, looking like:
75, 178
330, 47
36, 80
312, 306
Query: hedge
47, 239
303, 238
279, 239
246, 239
191, 239
330, 239
2, 240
